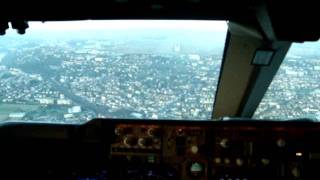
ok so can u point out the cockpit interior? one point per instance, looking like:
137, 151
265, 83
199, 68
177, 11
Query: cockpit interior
160, 90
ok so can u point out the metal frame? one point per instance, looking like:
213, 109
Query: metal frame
263, 78
241, 84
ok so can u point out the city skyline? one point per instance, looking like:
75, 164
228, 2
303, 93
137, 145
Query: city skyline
163, 74
72, 76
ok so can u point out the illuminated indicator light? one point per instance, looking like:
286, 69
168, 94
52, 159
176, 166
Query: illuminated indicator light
239, 162
151, 159
299, 154
194, 149
180, 132
295, 172
217, 160
265, 161
281, 143
196, 167
224, 143
227, 161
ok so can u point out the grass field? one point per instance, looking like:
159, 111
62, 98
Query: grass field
6, 109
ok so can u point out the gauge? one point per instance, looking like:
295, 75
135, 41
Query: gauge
196, 169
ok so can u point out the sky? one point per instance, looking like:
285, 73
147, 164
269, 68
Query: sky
216, 26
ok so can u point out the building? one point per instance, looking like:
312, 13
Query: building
17, 115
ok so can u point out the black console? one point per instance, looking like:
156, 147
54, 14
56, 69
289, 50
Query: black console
162, 150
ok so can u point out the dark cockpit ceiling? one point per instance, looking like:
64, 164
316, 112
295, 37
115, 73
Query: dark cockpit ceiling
281, 20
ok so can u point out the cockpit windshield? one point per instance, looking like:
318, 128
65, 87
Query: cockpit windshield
72, 72
295, 91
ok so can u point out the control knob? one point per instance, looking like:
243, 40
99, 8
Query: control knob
130, 141
145, 142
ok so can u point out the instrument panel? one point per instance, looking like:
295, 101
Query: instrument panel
217, 152
164, 150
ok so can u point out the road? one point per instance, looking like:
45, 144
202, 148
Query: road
98, 109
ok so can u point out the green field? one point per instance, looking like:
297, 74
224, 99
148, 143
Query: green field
6, 109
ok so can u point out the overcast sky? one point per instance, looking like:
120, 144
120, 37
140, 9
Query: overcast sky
220, 26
